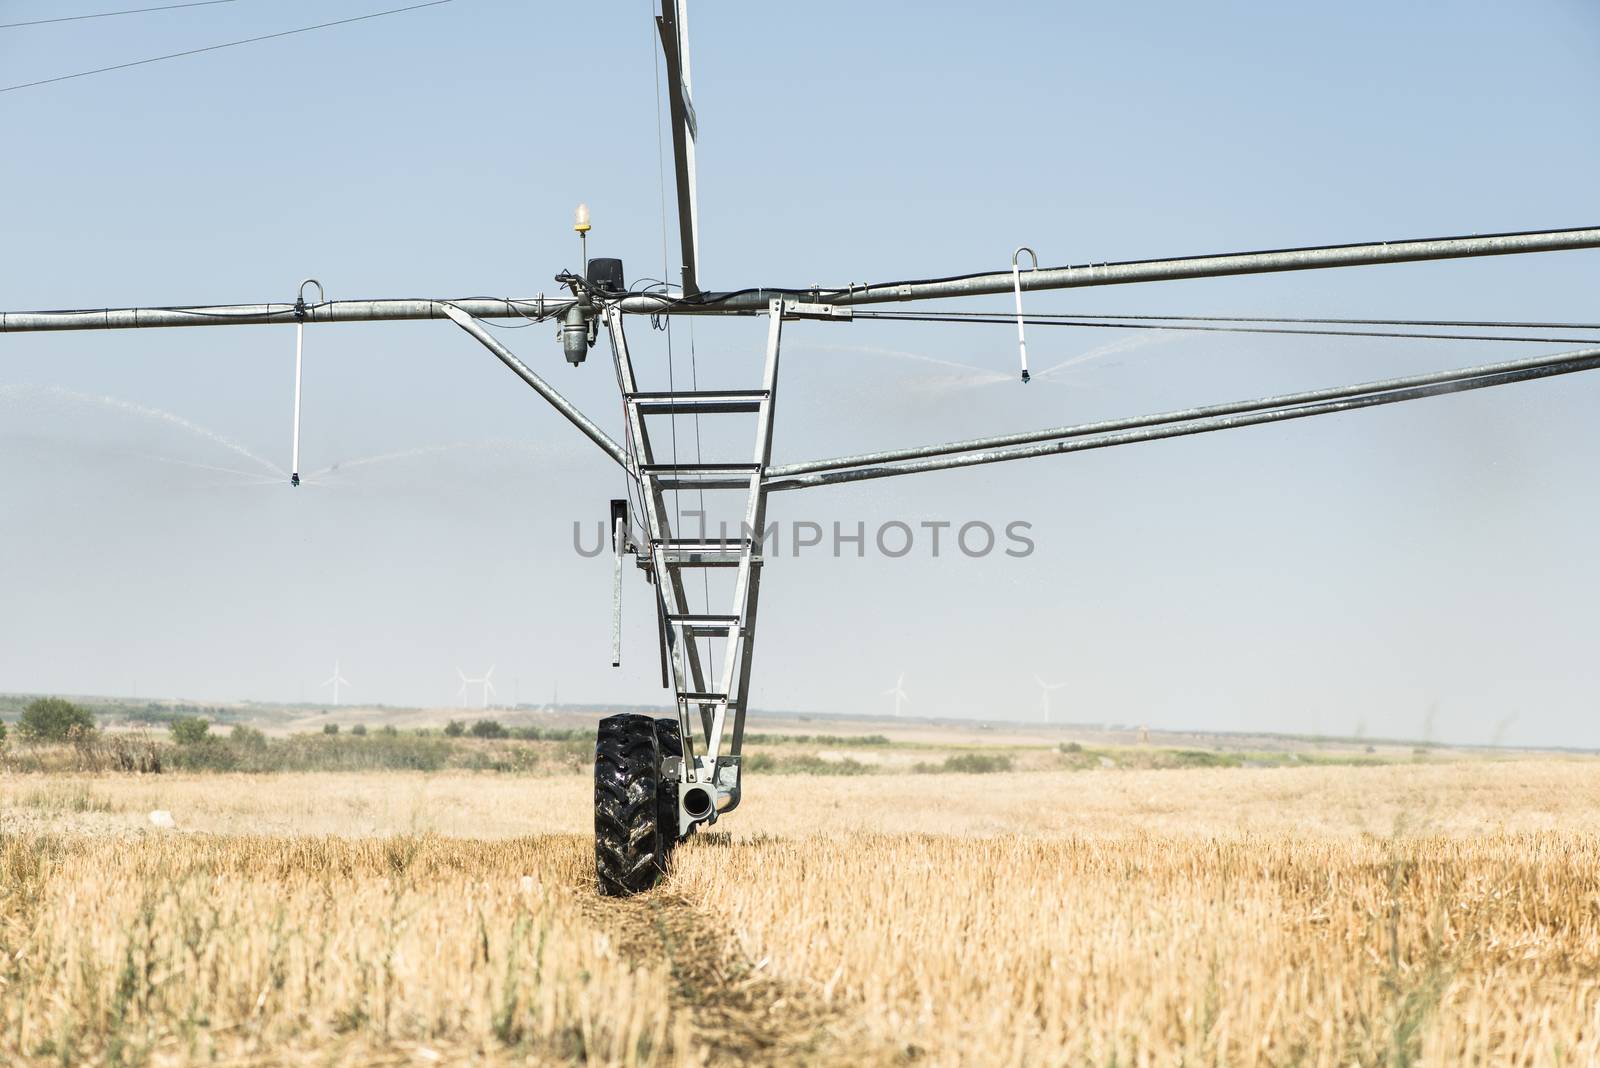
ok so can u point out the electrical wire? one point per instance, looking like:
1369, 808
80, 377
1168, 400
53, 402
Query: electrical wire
661, 167
694, 384
110, 14
666, 269
672, 420
532, 320
225, 44
1001, 319
666, 272
511, 326
1474, 323
288, 312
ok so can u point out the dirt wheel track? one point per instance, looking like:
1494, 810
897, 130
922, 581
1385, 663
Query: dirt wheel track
738, 1011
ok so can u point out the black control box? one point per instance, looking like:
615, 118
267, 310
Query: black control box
605, 276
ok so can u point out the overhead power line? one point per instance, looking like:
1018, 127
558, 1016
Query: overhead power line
112, 14
225, 44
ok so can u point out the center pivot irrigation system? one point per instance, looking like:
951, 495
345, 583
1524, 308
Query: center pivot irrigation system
656, 780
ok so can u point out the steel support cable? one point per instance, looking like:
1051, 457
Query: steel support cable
1462, 323
1177, 423
672, 388
666, 272
996, 319
694, 384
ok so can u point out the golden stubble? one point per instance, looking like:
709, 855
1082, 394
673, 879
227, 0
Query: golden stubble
1408, 914
193, 949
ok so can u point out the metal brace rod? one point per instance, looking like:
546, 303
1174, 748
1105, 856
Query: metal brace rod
1181, 424
867, 459
1178, 424
540, 386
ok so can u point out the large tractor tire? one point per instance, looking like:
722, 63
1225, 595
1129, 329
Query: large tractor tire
669, 743
627, 787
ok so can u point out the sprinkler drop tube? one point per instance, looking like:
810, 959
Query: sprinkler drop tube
1022, 340
299, 348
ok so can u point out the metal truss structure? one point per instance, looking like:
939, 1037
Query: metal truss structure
708, 780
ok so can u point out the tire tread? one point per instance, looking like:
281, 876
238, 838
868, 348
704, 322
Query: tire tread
627, 839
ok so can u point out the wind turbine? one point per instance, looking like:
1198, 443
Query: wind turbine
488, 687
898, 693
1044, 696
336, 681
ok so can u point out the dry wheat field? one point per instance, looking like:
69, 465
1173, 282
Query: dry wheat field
1429, 914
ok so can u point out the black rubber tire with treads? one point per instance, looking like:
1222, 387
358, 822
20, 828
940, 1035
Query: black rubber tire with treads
669, 743
627, 774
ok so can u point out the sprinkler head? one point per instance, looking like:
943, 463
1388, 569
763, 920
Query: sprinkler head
294, 479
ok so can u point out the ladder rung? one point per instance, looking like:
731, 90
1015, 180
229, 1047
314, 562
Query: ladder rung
696, 553
677, 558
706, 401
700, 476
703, 544
697, 697
705, 482
716, 622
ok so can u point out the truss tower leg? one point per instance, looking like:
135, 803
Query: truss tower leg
708, 688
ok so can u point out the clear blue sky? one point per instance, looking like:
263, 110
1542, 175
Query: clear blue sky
1333, 575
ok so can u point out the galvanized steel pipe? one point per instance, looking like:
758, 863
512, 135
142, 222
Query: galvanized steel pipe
756, 301
1107, 274
333, 311
1295, 259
